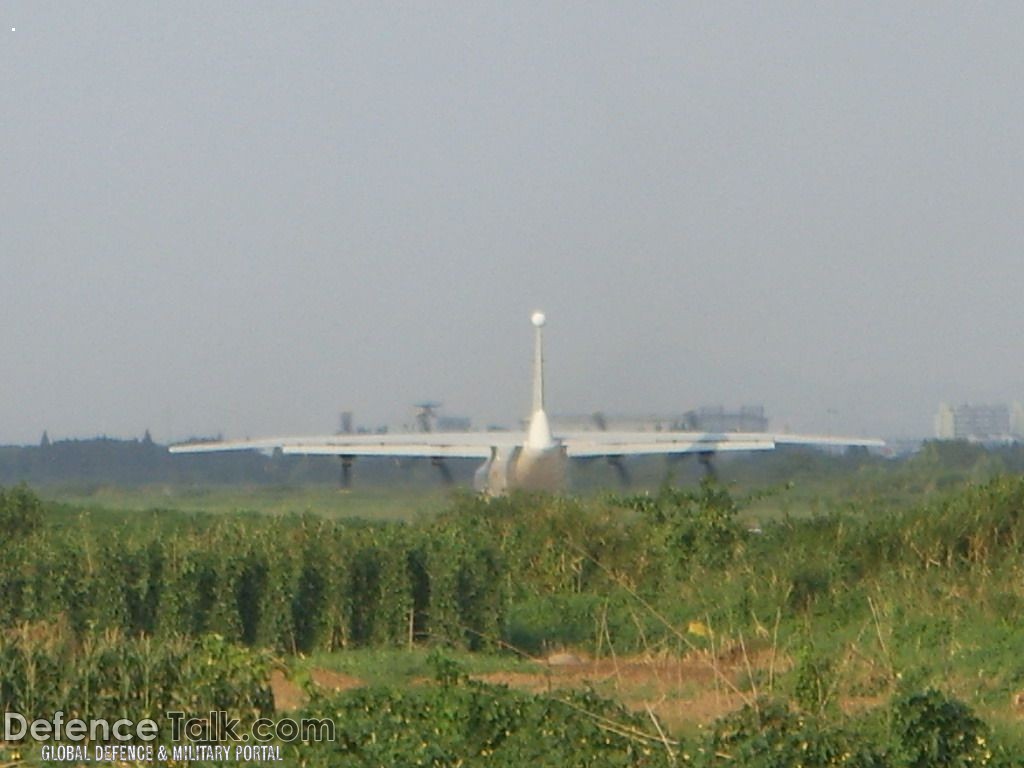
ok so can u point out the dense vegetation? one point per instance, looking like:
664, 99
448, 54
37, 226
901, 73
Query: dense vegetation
835, 632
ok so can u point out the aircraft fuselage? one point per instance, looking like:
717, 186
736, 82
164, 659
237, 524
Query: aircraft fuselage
523, 468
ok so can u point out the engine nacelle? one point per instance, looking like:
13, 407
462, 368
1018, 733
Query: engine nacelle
521, 468
497, 475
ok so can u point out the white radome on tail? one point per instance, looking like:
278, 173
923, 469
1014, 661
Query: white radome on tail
534, 460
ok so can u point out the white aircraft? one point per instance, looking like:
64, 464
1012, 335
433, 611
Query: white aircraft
534, 460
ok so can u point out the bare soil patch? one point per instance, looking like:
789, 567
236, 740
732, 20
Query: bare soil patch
288, 695
683, 691
695, 688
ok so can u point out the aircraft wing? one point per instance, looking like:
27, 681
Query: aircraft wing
828, 440
598, 443
468, 445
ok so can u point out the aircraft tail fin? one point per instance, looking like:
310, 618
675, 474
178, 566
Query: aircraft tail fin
538, 361
539, 434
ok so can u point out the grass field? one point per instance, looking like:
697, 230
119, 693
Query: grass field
840, 591
374, 504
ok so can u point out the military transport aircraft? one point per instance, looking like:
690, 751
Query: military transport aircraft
531, 460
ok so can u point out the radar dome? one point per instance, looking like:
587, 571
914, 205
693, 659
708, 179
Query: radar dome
538, 319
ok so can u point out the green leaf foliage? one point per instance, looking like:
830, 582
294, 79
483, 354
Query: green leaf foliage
467, 723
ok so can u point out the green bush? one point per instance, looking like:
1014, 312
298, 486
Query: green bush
466, 723
43, 670
932, 730
21, 513
770, 735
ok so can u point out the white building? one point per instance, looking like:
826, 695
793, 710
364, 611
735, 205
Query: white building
980, 423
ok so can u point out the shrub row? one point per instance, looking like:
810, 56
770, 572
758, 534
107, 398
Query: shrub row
468, 723
629, 571
296, 586
43, 670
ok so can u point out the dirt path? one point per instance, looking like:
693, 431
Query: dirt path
688, 690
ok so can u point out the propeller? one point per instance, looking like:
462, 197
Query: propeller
346, 471
705, 461
615, 462
425, 413
444, 469
621, 471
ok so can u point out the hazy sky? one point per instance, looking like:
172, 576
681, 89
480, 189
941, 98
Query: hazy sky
247, 217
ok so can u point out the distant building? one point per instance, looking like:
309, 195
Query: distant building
749, 418
453, 424
429, 420
980, 423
